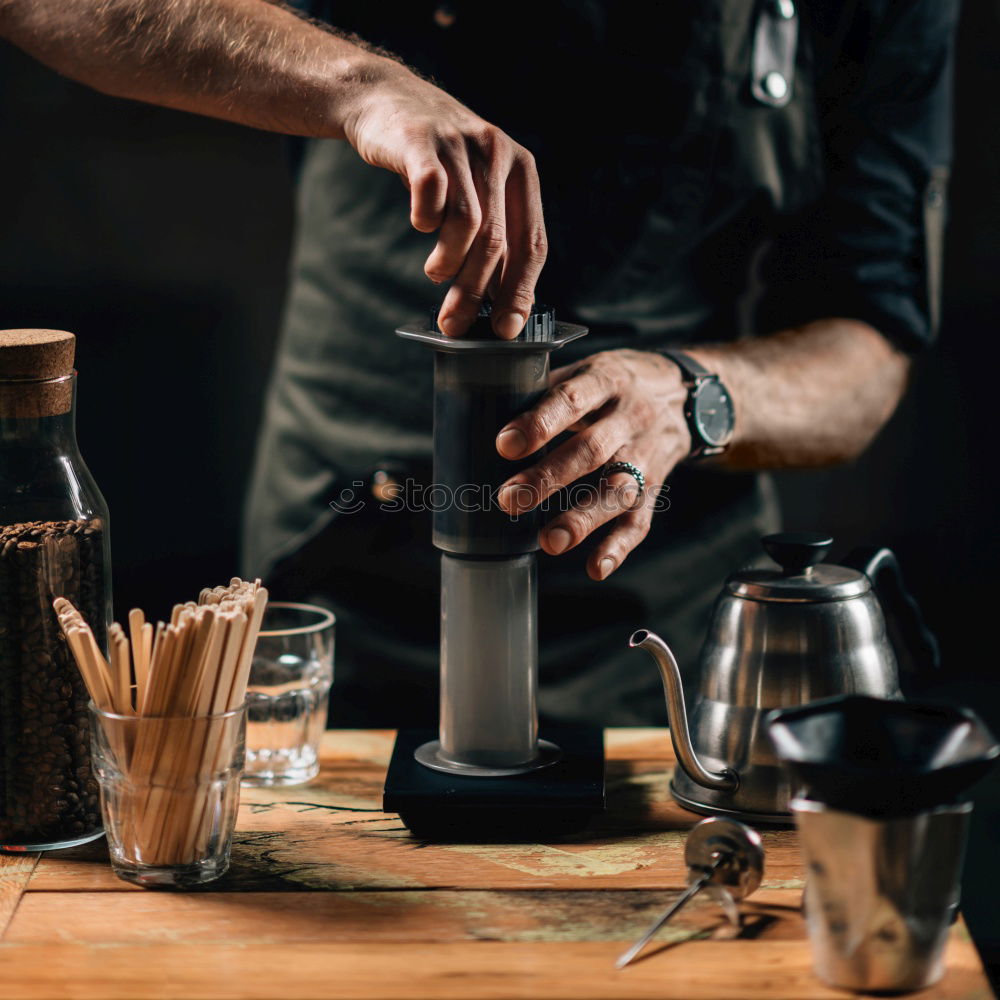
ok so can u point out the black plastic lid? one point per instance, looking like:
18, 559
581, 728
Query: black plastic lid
879, 757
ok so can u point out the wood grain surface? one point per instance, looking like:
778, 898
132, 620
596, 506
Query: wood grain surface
408, 915
330, 897
15, 872
698, 970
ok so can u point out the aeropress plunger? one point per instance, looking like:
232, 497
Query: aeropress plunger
488, 772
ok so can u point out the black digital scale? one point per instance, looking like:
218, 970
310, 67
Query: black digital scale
549, 802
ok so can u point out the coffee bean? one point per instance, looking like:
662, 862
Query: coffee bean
48, 793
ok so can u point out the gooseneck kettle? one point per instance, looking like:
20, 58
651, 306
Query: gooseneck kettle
779, 638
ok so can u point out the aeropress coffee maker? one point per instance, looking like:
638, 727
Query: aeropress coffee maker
486, 773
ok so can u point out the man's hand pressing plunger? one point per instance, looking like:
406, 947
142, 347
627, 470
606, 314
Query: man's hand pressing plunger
469, 181
625, 406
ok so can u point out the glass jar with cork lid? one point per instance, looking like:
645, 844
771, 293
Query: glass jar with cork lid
53, 543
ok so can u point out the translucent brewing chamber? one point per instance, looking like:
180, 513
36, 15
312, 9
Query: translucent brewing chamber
53, 542
489, 662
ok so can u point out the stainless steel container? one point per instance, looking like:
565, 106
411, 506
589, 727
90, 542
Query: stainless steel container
881, 894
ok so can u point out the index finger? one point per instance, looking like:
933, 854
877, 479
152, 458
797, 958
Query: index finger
427, 181
461, 304
463, 216
561, 407
527, 247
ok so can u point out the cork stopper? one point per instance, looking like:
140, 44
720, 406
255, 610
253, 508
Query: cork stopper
36, 355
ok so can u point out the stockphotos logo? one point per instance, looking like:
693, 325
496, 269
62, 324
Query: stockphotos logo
474, 498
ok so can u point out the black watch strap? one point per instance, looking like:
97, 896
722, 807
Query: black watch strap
691, 369
695, 376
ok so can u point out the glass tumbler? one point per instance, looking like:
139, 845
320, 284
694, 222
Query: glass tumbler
287, 695
170, 791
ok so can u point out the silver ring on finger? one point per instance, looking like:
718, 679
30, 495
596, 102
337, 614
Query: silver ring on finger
633, 470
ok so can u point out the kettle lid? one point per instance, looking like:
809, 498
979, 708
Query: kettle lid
803, 576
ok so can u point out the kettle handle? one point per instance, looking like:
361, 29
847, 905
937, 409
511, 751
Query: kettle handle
920, 647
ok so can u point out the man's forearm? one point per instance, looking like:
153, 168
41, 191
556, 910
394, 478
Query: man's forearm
247, 61
808, 397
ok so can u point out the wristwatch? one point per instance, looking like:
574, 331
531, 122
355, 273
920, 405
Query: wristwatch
709, 407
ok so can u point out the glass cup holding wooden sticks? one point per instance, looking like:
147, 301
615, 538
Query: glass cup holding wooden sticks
170, 791
290, 681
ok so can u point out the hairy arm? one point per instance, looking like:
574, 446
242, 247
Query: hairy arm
812, 396
259, 64
243, 60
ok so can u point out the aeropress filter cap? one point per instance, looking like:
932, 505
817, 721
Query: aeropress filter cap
879, 758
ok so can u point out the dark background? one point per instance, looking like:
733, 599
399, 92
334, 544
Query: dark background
161, 240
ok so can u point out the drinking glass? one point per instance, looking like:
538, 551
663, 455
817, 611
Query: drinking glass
170, 791
287, 695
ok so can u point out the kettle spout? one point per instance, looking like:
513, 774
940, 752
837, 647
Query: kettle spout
725, 780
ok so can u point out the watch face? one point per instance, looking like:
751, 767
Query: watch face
713, 412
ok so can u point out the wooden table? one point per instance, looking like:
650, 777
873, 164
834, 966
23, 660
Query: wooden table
330, 897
